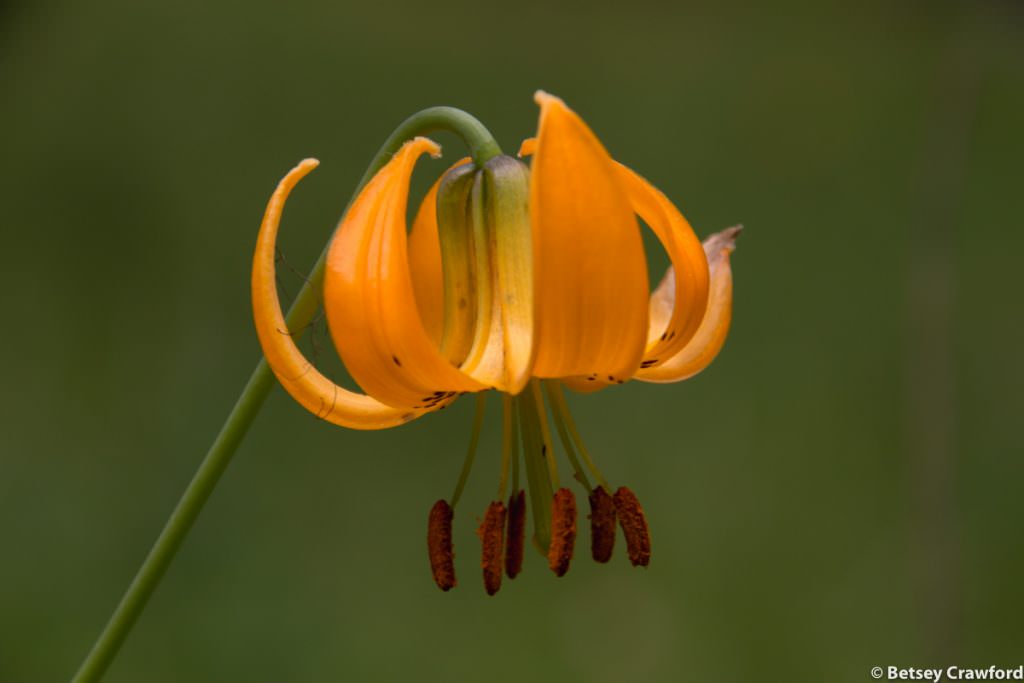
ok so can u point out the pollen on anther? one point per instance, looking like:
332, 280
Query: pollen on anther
602, 525
492, 540
563, 531
439, 545
634, 527
515, 537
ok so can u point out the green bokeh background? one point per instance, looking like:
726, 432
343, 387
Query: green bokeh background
841, 489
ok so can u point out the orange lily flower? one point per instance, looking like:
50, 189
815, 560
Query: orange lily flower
510, 275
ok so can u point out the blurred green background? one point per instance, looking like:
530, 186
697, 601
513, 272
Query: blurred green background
841, 489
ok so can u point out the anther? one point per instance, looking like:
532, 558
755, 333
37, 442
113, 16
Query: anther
515, 537
634, 527
602, 525
563, 531
439, 545
492, 538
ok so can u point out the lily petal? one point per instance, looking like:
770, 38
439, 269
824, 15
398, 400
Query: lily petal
591, 273
297, 375
503, 350
425, 261
502, 357
671, 326
673, 319
369, 300
710, 336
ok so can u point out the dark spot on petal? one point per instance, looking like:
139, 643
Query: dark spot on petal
397, 362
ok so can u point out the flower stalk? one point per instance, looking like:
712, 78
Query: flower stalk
482, 148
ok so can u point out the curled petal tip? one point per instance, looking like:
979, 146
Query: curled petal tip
541, 97
734, 231
723, 241
308, 163
528, 147
426, 145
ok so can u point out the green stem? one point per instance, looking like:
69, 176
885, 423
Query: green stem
482, 147
559, 405
570, 450
474, 439
515, 448
508, 436
545, 434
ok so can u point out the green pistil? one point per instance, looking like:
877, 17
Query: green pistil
560, 408
474, 439
567, 444
537, 472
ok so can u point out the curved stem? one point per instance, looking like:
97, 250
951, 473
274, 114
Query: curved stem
482, 147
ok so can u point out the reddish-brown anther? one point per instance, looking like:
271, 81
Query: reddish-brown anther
439, 545
492, 538
634, 527
515, 537
602, 525
563, 531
